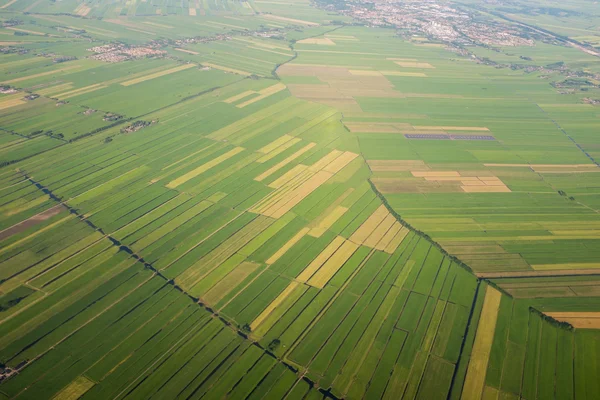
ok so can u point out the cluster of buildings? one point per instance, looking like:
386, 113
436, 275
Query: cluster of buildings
117, 52
437, 20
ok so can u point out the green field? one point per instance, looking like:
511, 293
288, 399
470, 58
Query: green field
269, 199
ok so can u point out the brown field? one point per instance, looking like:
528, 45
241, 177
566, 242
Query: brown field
157, 74
32, 221
580, 320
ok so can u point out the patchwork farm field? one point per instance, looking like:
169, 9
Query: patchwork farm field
260, 200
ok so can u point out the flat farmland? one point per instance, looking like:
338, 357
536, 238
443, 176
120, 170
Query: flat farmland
252, 200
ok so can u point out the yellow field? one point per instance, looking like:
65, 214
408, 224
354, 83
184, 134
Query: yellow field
340, 162
226, 69
158, 25
269, 46
264, 93
291, 20
11, 102
274, 144
274, 304
372, 127
285, 178
41, 74
423, 174
55, 89
393, 238
283, 163
319, 41
476, 372
10, 3
367, 227
295, 197
412, 64
186, 51
158, 74
397, 165
203, 168
320, 259
287, 246
237, 97
453, 128
328, 221
549, 267
332, 265
283, 147
75, 389
379, 232
325, 160
399, 73
80, 91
